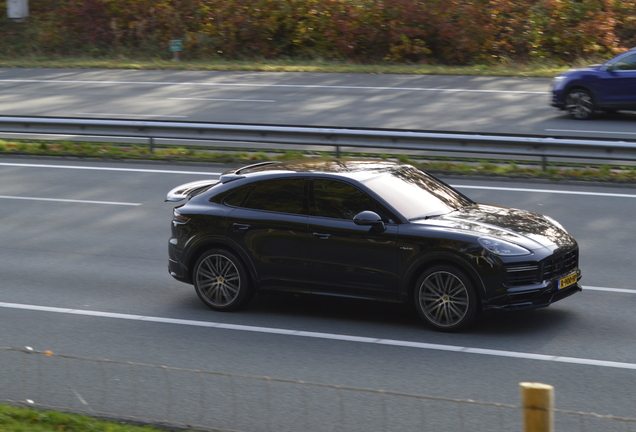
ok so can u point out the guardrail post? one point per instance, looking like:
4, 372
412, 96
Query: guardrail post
537, 401
544, 162
337, 152
152, 145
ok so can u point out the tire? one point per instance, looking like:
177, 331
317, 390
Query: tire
580, 104
445, 298
221, 280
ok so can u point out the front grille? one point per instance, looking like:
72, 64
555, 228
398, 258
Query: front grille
560, 265
522, 274
529, 273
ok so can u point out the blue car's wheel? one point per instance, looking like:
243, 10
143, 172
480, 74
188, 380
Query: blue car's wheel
580, 104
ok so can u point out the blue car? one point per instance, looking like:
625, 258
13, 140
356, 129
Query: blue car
608, 87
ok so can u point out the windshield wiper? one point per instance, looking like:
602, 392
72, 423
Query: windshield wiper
427, 217
431, 216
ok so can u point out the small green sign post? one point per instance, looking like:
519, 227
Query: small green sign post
176, 46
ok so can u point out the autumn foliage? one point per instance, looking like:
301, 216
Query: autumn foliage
440, 31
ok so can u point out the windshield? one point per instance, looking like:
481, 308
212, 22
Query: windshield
415, 194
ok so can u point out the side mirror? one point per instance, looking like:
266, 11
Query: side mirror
369, 218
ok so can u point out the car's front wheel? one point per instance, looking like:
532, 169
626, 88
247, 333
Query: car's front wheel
580, 104
445, 298
221, 281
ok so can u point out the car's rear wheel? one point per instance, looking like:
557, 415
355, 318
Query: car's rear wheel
445, 298
221, 281
580, 104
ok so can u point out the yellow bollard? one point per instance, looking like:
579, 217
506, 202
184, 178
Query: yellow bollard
538, 402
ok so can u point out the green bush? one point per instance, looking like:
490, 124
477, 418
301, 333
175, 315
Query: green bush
441, 31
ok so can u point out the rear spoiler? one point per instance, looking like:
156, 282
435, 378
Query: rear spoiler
189, 190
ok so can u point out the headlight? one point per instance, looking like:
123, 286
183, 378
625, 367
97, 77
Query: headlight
502, 247
558, 81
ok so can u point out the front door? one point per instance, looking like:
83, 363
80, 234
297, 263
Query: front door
619, 83
348, 259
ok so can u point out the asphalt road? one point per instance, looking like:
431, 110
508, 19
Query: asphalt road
443, 103
86, 238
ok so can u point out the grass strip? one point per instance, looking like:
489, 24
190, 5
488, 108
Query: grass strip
440, 165
514, 69
18, 419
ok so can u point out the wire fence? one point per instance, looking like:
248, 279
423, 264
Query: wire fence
215, 401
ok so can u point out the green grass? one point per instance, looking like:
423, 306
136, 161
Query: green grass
536, 69
441, 165
15, 419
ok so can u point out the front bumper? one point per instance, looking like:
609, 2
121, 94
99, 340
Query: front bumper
558, 104
535, 295
557, 99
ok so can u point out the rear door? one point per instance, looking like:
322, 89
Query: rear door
270, 223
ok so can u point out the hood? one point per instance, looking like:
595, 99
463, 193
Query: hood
589, 68
527, 229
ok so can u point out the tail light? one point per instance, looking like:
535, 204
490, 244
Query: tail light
178, 218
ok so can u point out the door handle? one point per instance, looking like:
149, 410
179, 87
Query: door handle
240, 227
322, 236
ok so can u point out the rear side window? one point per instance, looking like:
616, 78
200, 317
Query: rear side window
236, 198
284, 196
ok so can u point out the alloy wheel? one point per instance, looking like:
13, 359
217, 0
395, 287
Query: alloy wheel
444, 299
579, 104
218, 280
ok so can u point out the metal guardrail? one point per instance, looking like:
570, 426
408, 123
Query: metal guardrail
338, 138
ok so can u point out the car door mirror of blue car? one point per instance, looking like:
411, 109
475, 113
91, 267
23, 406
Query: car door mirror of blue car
369, 218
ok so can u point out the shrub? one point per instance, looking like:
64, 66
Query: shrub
444, 31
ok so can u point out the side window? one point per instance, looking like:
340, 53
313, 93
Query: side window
236, 198
626, 63
339, 200
284, 196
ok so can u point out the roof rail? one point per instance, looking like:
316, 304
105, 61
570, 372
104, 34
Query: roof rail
230, 177
256, 165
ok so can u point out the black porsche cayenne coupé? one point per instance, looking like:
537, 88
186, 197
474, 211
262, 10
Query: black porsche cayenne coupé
370, 229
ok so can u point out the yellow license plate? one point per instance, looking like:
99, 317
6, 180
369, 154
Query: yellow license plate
567, 281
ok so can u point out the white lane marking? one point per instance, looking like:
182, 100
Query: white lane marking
616, 290
69, 200
329, 336
212, 173
545, 191
591, 131
225, 100
207, 173
307, 86
130, 115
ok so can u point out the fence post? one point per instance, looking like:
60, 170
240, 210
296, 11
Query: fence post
538, 401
